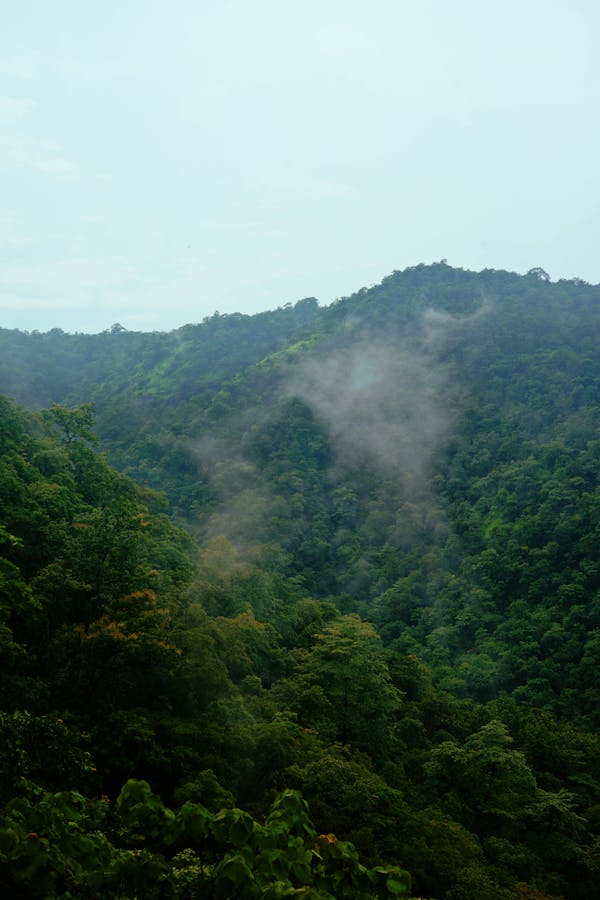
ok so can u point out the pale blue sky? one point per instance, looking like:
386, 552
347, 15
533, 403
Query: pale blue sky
160, 161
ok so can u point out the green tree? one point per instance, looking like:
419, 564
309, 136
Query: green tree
73, 424
343, 687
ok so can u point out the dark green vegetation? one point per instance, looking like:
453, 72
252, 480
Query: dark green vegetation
359, 561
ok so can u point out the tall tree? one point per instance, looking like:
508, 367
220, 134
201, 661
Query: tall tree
343, 686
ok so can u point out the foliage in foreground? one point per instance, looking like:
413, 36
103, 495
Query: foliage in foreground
64, 845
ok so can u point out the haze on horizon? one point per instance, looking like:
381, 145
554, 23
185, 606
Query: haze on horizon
158, 163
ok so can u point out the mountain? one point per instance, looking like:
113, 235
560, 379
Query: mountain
424, 452
404, 482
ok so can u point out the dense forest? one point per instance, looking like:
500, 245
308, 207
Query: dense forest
307, 603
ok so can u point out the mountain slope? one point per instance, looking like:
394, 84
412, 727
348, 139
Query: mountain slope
424, 452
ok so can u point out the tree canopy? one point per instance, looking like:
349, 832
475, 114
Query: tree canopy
340, 556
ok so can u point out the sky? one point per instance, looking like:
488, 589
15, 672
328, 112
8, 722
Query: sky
163, 161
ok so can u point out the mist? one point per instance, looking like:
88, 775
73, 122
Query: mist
385, 403
242, 506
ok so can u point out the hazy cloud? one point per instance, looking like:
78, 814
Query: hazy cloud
15, 107
77, 272
284, 189
21, 67
244, 507
384, 404
116, 288
43, 156
82, 294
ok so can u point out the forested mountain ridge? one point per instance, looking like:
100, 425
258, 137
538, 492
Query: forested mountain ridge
424, 452
400, 489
